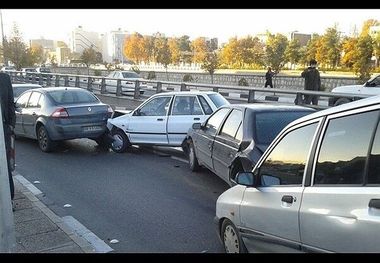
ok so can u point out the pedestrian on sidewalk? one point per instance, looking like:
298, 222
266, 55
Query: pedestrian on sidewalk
9, 120
268, 78
312, 81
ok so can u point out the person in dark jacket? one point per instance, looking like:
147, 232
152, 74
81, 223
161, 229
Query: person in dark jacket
9, 119
268, 78
312, 81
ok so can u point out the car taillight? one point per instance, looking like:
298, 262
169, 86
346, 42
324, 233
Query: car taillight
60, 113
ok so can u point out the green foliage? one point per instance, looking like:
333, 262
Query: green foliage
97, 72
211, 63
362, 65
329, 48
151, 75
90, 56
275, 51
163, 55
187, 78
293, 51
243, 82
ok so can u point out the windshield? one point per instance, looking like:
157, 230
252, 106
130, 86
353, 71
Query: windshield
269, 124
129, 75
72, 96
218, 100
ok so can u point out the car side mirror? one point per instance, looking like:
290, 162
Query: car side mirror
245, 178
197, 126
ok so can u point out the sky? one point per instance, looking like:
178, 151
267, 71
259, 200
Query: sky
221, 23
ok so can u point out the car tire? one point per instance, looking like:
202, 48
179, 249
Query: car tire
342, 101
120, 141
103, 141
193, 160
231, 239
44, 141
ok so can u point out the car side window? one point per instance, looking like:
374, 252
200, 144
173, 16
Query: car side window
286, 163
215, 120
344, 148
41, 101
231, 125
186, 105
206, 107
156, 107
23, 100
33, 101
239, 133
374, 160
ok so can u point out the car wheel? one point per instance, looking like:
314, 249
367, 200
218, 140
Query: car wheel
231, 239
341, 101
44, 141
104, 141
193, 161
120, 141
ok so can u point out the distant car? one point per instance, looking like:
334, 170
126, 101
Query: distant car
128, 80
45, 73
25, 71
6, 68
371, 87
163, 119
54, 114
233, 138
18, 89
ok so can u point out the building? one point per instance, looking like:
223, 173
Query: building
303, 39
81, 39
115, 44
62, 55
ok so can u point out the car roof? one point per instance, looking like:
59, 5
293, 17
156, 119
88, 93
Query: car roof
196, 92
26, 85
49, 89
257, 107
341, 108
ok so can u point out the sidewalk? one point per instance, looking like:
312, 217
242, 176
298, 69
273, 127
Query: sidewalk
39, 230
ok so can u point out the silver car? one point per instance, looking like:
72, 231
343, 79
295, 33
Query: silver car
315, 189
54, 114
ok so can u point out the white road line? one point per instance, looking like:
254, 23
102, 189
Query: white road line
99, 245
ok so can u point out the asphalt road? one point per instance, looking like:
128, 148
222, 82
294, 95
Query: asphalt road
149, 202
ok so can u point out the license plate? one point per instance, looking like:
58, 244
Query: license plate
92, 128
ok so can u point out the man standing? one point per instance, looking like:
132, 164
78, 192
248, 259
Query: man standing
9, 119
312, 82
268, 78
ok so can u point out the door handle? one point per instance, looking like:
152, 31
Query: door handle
288, 199
160, 119
374, 203
197, 119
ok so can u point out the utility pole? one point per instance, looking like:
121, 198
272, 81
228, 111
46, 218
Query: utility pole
7, 231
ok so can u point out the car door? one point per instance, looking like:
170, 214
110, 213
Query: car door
269, 213
186, 110
340, 211
204, 140
226, 145
31, 113
148, 123
20, 108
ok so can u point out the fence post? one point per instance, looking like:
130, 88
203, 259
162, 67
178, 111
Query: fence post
66, 81
57, 80
40, 79
7, 228
103, 86
89, 83
159, 87
251, 96
183, 87
298, 100
215, 89
48, 80
33, 78
77, 81
118, 87
136, 94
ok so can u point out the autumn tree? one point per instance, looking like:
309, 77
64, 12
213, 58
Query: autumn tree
200, 49
293, 51
163, 55
349, 45
376, 47
38, 54
229, 53
275, 51
210, 64
174, 50
367, 25
311, 49
134, 48
15, 49
329, 48
250, 51
362, 57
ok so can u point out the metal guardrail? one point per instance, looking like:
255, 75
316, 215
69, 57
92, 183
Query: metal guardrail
141, 90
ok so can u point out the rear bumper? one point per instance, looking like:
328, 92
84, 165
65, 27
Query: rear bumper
75, 131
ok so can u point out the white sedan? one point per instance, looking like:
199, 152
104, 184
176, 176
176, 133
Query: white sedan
163, 119
128, 81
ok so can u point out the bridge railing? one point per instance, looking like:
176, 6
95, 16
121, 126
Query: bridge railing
140, 90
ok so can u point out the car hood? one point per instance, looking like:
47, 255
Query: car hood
120, 122
347, 88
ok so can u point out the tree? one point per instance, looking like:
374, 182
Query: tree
376, 47
134, 48
366, 26
185, 48
38, 54
211, 63
200, 49
174, 50
163, 55
250, 51
275, 51
229, 53
362, 57
329, 48
90, 56
311, 49
293, 51
349, 45
16, 50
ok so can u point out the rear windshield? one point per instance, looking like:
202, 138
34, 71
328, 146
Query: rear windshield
218, 100
72, 96
130, 75
18, 90
269, 124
